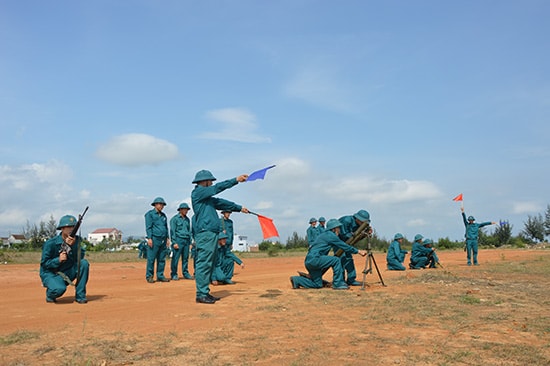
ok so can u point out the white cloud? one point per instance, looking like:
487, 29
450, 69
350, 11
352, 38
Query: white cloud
383, 190
237, 124
136, 149
526, 207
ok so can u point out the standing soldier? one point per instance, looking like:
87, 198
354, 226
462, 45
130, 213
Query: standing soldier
59, 264
321, 227
312, 231
180, 236
471, 235
349, 225
156, 227
206, 227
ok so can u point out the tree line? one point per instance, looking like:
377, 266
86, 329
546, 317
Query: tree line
535, 230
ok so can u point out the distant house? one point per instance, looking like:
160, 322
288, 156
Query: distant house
16, 239
99, 235
4, 242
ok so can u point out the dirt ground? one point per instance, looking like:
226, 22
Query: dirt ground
497, 313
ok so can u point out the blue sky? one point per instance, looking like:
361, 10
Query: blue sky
394, 107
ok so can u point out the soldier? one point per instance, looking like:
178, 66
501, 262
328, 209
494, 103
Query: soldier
223, 273
422, 254
180, 236
158, 241
59, 263
349, 225
396, 255
142, 248
206, 227
318, 261
321, 227
312, 232
472, 235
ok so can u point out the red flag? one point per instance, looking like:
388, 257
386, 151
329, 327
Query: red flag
458, 198
268, 229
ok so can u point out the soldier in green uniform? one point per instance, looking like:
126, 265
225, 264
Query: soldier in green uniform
206, 227
158, 241
472, 235
180, 237
322, 224
222, 273
396, 255
318, 261
422, 253
59, 263
349, 225
312, 233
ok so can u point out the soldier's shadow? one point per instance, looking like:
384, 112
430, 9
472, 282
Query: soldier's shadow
72, 299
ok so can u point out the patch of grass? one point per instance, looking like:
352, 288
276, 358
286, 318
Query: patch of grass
470, 300
20, 336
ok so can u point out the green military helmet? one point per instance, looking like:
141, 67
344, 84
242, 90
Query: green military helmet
362, 215
203, 175
471, 218
427, 241
183, 205
158, 200
418, 237
332, 223
66, 220
322, 219
312, 220
398, 236
222, 236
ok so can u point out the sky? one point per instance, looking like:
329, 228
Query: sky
394, 107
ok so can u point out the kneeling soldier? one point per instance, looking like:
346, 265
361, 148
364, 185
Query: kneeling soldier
59, 264
318, 261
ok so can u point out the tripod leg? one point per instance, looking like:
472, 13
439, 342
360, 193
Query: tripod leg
377, 271
365, 271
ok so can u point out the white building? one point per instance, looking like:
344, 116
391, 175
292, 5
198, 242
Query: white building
97, 236
240, 243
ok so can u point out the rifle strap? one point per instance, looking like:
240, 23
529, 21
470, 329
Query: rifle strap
66, 278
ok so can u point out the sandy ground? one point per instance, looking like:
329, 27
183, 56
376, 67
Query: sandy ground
260, 319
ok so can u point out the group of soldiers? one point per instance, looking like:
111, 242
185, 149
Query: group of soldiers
337, 234
178, 238
423, 254
321, 240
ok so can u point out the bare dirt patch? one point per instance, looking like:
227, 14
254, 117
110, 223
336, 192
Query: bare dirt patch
497, 313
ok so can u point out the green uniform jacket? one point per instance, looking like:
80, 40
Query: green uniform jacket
50, 256
472, 230
325, 242
204, 204
180, 229
227, 226
156, 224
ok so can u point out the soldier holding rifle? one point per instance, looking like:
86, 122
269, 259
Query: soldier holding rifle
318, 261
63, 261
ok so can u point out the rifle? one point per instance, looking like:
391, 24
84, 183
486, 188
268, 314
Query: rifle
66, 248
359, 234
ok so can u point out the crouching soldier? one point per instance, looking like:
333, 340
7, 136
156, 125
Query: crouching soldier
396, 255
223, 269
423, 254
318, 261
59, 264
